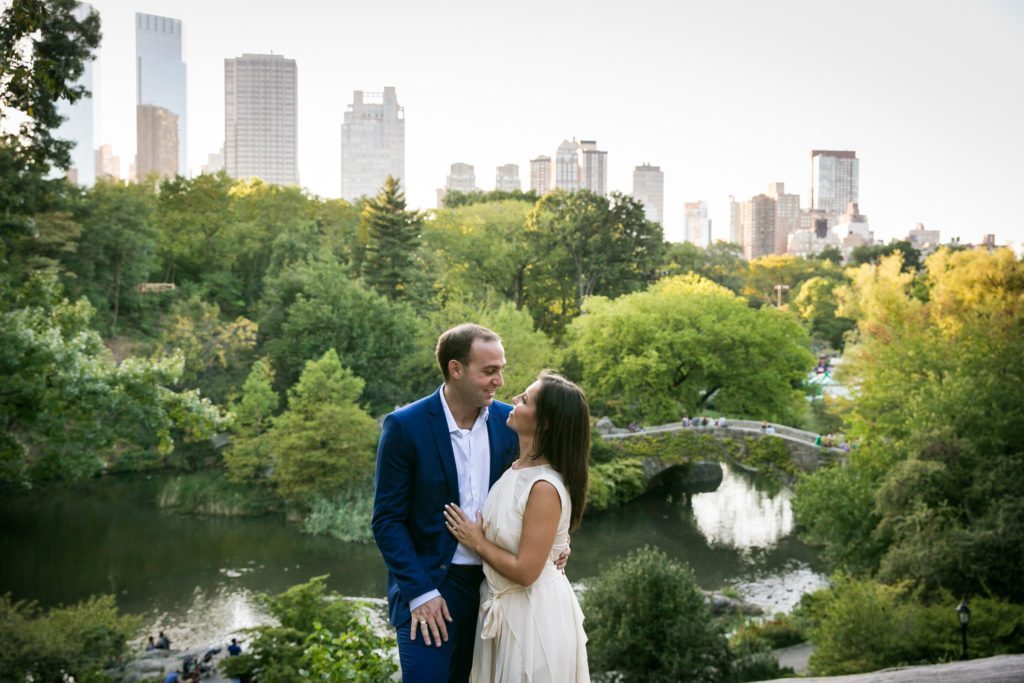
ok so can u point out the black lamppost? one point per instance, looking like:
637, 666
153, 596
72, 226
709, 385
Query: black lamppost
963, 613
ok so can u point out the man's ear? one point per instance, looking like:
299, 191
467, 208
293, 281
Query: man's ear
454, 368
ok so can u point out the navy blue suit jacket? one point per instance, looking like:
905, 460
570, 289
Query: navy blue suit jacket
416, 477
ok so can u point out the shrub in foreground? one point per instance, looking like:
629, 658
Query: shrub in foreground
79, 641
646, 619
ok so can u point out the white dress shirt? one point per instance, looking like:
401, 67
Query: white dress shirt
472, 451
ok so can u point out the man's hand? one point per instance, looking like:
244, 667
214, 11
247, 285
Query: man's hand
563, 558
429, 618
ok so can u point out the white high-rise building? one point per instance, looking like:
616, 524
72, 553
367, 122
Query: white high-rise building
649, 188
260, 118
461, 179
593, 168
834, 180
214, 162
735, 224
78, 124
541, 175
506, 178
372, 143
107, 164
698, 226
160, 73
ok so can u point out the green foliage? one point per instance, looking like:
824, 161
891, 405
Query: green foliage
324, 440
357, 656
679, 447
319, 632
44, 49
768, 271
195, 218
585, 245
722, 263
778, 632
861, 625
767, 454
480, 250
315, 306
455, 199
214, 349
248, 458
80, 641
646, 619
67, 407
753, 659
392, 264
815, 302
211, 493
684, 344
614, 483
875, 253
932, 495
835, 508
345, 516
117, 248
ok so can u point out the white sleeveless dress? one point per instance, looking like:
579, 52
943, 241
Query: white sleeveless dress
534, 633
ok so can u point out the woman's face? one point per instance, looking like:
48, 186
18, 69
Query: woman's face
523, 418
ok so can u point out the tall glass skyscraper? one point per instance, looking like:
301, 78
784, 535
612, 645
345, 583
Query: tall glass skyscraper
78, 123
834, 180
159, 72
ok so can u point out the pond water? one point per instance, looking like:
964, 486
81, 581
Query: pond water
195, 577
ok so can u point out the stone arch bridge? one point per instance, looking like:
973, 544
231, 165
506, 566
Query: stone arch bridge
805, 455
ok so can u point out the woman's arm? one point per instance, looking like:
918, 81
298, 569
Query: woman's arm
540, 524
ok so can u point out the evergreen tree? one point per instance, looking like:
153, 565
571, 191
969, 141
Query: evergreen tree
249, 456
324, 440
392, 234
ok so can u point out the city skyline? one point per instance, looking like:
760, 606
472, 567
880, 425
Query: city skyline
922, 99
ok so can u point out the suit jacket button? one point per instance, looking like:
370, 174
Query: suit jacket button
444, 567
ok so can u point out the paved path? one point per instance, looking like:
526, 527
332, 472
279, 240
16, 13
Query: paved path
1002, 669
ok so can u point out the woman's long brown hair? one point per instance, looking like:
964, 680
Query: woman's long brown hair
563, 436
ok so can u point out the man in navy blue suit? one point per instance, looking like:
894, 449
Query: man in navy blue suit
448, 447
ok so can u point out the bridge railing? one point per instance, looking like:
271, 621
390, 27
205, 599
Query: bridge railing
748, 426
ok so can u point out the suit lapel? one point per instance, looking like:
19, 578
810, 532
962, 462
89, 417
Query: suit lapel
443, 441
498, 459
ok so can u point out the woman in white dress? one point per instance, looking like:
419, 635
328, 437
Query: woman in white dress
530, 626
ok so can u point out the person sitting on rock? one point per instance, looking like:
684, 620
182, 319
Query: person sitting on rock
150, 645
163, 642
234, 649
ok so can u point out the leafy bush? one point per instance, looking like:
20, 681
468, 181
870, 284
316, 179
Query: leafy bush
768, 454
862, 625
353, 656
80, 640
319, 632
646, 620
782, 631
346, 516
614, 483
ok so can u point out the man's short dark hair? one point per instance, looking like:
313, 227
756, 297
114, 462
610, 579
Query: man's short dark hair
454, 344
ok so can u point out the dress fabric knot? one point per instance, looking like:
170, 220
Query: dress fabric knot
494, 613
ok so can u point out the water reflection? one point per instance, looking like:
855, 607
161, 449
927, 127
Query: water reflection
195, 577
740, 515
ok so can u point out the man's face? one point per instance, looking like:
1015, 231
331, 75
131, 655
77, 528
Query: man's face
477, 381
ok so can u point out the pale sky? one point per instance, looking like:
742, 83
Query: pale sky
726, 97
